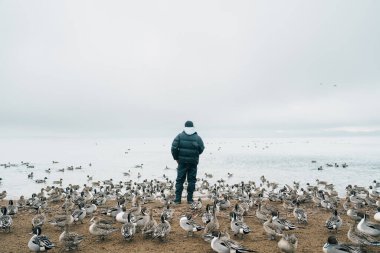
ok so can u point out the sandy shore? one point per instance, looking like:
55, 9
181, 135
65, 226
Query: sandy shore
311, 237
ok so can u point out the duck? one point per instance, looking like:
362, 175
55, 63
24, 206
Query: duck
211, 227
376, 184
334, 222
327, 204
5, 220
196, 205
333, 246
162, 230
61, 220
136, 209
40, 181
108, 181
356, 199
288, 243
167, 213
128, 230
141, 218
3, 195
271, 230
367, 227
99, 199
281, 223
114, 211
139, 166
288, 205
208, 175
12, 209
261, 215
70, 240
225, 245
68, 204
238, 212
360, 238
79, 214
149, 226
21, 203
376, 216
300, 214
58, 182
100, 229
246, 205
239, 227
122, 216
39, 242
189, 225
39, 219
90, 208
207, 215
354, 214
224, 203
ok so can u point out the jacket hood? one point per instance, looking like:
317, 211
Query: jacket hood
189, 130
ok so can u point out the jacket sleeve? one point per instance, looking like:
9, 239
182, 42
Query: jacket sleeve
201, 145
175, 148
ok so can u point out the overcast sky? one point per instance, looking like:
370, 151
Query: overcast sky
236, 68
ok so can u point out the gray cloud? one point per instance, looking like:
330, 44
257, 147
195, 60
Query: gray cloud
145, 67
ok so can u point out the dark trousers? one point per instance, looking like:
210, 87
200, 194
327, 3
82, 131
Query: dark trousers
184, 170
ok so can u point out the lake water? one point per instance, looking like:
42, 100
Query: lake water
280, 160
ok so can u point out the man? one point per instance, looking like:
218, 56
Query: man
186, 148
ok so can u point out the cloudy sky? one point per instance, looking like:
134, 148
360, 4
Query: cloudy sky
236, 68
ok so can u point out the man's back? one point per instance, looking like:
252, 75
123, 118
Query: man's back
187, 147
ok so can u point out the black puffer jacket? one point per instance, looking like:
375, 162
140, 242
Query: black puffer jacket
187, 148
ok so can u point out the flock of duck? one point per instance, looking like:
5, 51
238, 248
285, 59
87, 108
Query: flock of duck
241, 202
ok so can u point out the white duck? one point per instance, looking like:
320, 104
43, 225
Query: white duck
189, 225
122, 216
239, 227
39, 242
333, 246
79, 214
226, 245
369, 228
377, 215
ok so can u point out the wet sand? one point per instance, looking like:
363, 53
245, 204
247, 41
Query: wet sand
311, 236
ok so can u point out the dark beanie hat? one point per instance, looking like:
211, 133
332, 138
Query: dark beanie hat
189, 124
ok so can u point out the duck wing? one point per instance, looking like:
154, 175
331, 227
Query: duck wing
43, 241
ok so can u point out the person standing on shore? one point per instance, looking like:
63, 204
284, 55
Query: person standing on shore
186, 148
